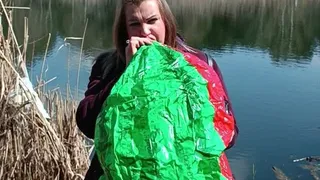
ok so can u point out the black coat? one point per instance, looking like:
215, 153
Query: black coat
104, 74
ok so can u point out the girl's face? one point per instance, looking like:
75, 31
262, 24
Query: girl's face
145, 20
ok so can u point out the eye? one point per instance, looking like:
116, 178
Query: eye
152, 21
134, 24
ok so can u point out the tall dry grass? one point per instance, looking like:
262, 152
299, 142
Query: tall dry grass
31, 146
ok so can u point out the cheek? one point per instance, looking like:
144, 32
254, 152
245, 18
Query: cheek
132, 31
161, 32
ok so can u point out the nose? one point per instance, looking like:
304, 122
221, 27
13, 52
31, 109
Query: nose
145, 30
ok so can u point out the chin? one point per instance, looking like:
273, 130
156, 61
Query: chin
161, 41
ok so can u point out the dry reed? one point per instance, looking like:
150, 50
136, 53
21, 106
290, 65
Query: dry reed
32, 147
279, 174
312, 167
314, 170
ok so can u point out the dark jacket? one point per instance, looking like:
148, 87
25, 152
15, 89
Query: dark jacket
104, 74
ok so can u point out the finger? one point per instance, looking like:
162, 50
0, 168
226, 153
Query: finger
143, 40
130, 49
134, 46
141, 43
136, 42
153, 38
148, 41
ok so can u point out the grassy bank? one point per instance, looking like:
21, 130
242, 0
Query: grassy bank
31, 145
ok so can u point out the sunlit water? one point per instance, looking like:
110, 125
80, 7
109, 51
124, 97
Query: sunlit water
276, 108
269, 56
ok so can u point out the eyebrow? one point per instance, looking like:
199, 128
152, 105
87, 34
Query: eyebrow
134, 18
152, 16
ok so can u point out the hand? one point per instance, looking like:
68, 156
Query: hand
134, 43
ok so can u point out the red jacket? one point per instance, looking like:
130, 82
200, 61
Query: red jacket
104, 74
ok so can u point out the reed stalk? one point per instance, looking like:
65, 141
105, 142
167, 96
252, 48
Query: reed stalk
31, 146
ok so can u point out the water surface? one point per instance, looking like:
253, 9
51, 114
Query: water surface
268, 52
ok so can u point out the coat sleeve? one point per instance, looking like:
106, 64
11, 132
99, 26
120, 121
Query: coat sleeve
97, 91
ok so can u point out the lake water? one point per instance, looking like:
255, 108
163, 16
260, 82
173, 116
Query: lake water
268, 52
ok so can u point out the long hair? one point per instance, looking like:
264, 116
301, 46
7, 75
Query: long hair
120, 34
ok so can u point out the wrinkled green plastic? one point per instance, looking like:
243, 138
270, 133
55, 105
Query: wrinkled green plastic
157, 122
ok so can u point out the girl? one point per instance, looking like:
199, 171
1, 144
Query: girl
137, 23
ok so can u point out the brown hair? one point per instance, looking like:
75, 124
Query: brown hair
120, 31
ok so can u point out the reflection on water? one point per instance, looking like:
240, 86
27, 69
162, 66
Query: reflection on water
276, 108
286, 28
268, 51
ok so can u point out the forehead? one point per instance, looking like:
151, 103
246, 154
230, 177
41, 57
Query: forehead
143, 10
